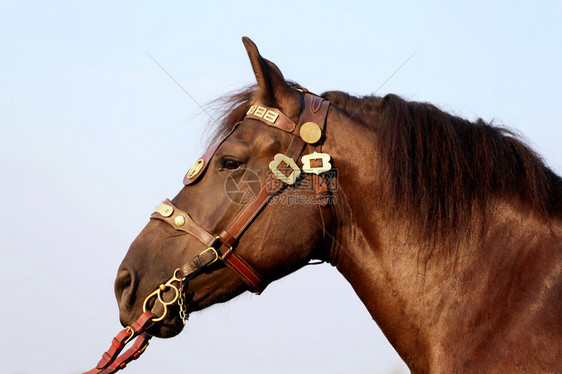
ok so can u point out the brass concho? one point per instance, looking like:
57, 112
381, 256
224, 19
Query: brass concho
179, 220
196, 169
274, 167
310, 132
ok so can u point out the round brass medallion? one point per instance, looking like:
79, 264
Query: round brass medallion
310, 132
179, 220
196, 169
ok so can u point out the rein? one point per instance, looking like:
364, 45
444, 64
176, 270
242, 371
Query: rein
308, 131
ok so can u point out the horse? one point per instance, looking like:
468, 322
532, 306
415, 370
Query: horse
448, 230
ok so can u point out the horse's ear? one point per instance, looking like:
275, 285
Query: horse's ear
273, 90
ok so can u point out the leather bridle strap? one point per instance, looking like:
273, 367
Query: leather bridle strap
316, 111
232, 233
271, 187
181, 221
111, 361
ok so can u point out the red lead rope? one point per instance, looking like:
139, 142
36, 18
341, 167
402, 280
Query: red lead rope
111, 362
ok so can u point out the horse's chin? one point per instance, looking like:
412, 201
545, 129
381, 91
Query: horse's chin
167, 328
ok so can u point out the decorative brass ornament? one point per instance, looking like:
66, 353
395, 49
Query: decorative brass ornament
262, 112
179, 220
274, 167
164, 209
310, 132
325, 164
196, 169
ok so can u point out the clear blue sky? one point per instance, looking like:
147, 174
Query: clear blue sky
93, 135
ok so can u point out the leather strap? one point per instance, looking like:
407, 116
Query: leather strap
232, 233
138, 348
187, 180
244, 270
191, 269
316, 110
245, 217
271, 117
182, 221
206, 158
111, 361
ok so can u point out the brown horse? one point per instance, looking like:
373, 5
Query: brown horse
449, 231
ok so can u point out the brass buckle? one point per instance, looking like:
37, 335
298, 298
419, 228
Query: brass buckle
218, 239
130, 329
215, 252
143, 348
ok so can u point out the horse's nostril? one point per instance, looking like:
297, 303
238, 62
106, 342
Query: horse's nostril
125, 288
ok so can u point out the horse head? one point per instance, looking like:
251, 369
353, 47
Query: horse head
244, 184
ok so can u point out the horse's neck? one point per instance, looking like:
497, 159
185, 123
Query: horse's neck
442, 313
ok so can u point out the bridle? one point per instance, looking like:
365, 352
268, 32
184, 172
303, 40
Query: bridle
309, 131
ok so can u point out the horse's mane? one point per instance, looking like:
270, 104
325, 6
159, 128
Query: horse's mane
439, 170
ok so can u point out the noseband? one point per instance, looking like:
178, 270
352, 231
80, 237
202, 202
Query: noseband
221, 246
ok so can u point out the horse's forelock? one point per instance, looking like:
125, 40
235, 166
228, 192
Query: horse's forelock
228, 110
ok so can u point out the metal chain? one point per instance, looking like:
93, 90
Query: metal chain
181, 303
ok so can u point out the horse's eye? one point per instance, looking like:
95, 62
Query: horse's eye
231, 164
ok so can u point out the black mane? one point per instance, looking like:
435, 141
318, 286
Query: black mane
440, 170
